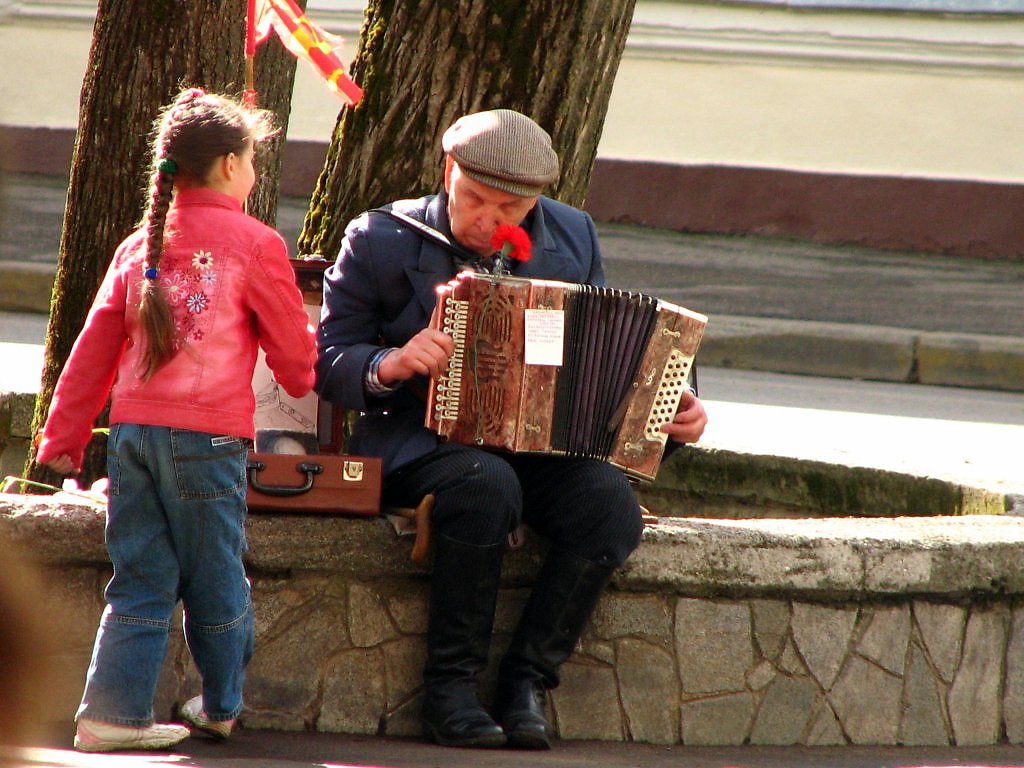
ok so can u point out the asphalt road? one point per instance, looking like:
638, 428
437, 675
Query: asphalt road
716, 275
783, 279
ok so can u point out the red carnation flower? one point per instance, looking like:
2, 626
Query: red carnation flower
510, 240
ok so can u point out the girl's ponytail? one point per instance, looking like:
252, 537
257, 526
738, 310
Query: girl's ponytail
155, 316
189, 135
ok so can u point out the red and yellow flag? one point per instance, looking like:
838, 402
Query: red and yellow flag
306, 41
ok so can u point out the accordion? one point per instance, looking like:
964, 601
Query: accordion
542, 366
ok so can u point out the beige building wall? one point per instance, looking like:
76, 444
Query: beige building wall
700, 83
877, 93
831, 120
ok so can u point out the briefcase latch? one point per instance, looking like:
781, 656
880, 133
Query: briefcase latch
353, 471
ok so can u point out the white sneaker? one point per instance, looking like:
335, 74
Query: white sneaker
96, 736
192, 712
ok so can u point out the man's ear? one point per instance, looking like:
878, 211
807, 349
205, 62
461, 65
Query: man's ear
448, 163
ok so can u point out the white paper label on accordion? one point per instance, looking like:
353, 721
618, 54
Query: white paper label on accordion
545, 333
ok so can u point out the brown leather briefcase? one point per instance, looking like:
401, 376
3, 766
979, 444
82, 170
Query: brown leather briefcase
299, 464
320, 484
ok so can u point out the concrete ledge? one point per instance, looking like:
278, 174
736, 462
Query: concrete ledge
814, 632
709, 483
720, 484
949, 558
815, 558
703, 482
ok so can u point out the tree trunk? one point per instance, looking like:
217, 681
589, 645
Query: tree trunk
423, 64
143, 52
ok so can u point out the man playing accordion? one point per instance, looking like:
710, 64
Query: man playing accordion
377, 353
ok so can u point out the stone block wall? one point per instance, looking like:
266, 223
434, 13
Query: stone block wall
816, 632
15, 431
666, 669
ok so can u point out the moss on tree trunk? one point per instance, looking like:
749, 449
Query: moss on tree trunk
424, 63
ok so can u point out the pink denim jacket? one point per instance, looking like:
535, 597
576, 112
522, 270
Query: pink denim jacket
231, 289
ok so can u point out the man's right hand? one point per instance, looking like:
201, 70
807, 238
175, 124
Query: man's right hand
424, 354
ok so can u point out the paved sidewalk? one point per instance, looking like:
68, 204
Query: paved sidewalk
269, 749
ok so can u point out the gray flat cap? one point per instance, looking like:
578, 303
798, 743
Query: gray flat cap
503, 149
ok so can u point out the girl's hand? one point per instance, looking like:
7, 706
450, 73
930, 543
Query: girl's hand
61, 464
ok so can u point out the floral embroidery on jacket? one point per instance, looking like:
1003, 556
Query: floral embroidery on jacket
196, 302
175, 288
202, 261
190, 292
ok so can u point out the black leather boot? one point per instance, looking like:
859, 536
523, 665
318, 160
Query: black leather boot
560, 604
463, 593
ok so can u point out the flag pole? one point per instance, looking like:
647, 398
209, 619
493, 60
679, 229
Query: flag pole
249, 97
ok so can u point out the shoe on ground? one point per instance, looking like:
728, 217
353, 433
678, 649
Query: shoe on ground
97, 736
192, 712
521, 706
455, 718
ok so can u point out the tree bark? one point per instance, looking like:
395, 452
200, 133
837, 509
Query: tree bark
143, 52
424, 64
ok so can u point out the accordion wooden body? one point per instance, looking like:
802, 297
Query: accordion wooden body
543, 366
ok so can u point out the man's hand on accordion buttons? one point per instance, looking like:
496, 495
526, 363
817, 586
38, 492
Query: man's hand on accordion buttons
425, 353
690, 420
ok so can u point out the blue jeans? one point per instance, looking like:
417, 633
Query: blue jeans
175, 531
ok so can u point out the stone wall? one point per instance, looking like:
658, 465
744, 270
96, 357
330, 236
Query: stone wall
15, 431
780, 631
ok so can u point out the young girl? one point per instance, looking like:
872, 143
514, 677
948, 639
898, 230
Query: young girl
172, 337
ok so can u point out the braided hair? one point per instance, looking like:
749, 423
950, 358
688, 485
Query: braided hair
189, 136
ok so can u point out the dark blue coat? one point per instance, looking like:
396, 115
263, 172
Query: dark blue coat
380, 293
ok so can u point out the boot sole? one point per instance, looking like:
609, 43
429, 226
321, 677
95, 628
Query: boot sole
481, 742
528, 740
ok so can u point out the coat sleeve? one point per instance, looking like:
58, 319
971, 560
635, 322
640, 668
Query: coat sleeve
596, 274
84, 384
350, 322
283, 326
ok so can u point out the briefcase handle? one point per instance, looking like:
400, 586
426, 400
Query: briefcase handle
310, 468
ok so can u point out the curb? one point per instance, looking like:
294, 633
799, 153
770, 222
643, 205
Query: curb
875, 353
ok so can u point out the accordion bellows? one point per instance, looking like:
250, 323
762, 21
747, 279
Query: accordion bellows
542, 366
